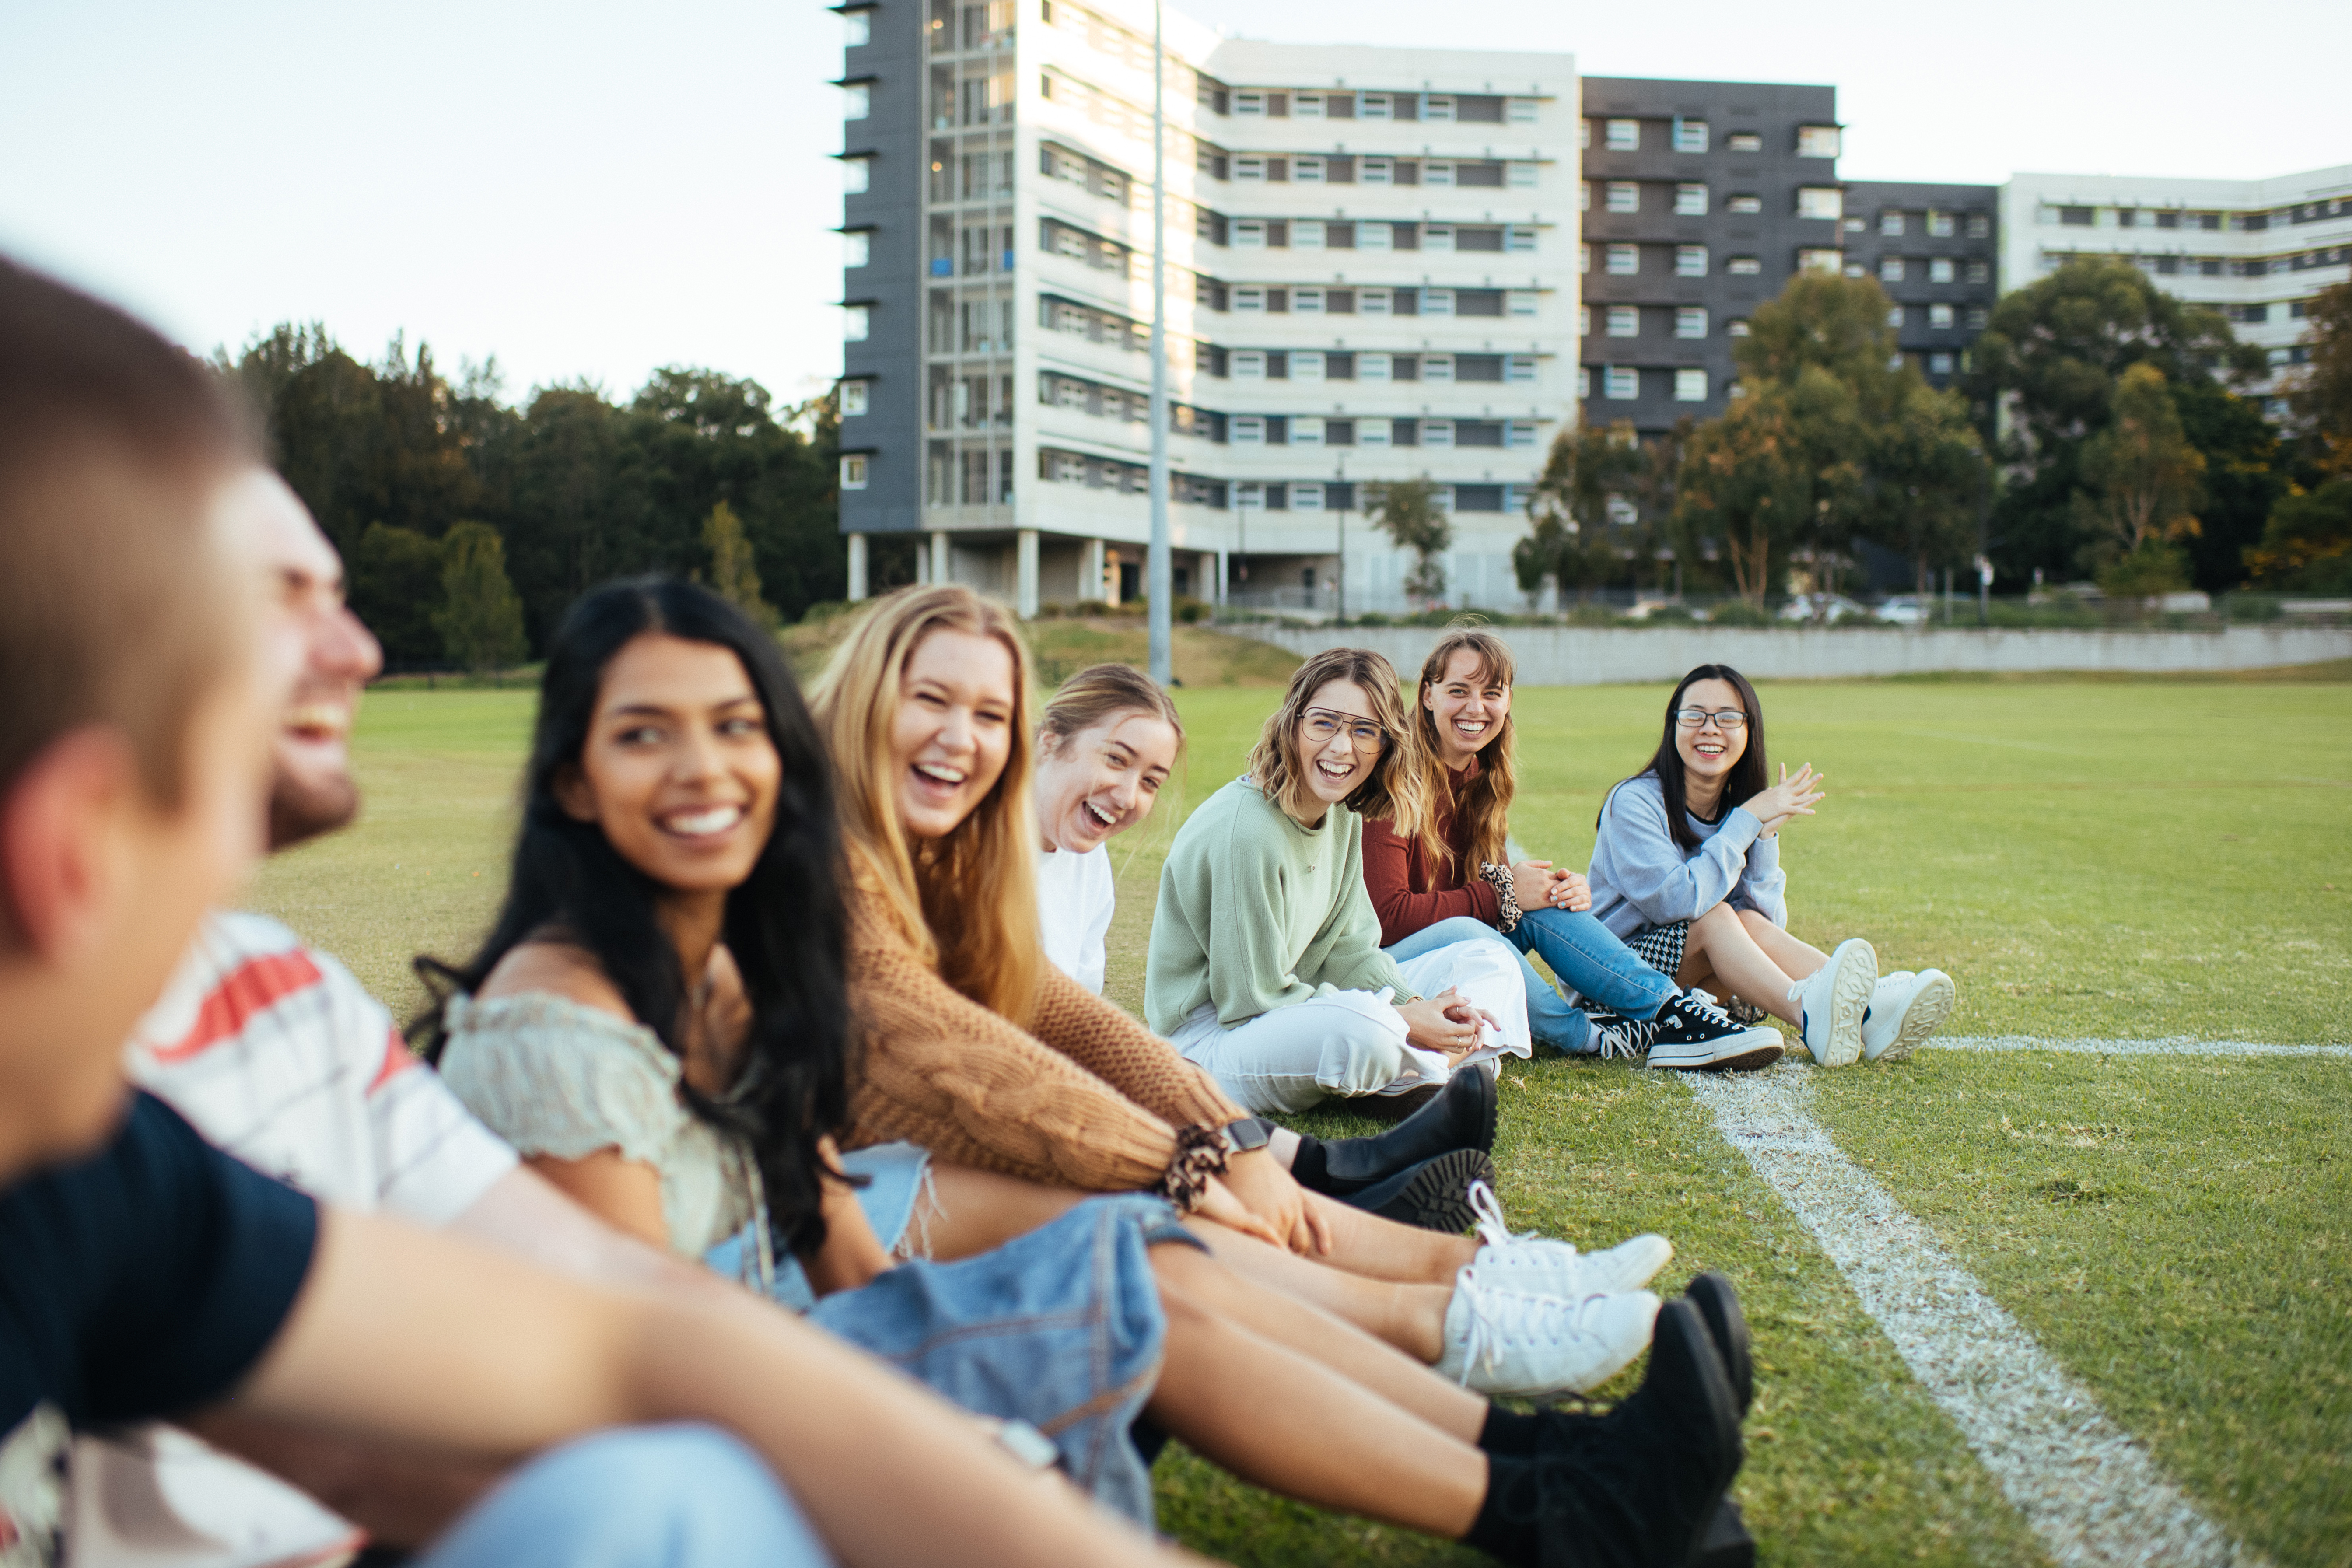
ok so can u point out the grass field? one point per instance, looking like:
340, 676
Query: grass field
2090, 860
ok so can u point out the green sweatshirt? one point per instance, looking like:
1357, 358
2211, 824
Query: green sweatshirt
1257, 912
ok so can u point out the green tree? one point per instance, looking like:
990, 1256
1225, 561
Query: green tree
2307, 544
2045, 372
733, 576
480, 620
395, 589
1745, 484
1568, 508
2322, 393
2144, 479
1408, 512
1925, 480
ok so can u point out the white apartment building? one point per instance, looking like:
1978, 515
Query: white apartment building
2256, 250
1371, 276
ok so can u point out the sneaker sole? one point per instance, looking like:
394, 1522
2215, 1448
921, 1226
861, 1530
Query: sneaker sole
1718, 1307
1733, 1052
1850, 989
1437, 1198
1928, 1009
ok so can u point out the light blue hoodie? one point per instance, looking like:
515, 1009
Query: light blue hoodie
1641, 877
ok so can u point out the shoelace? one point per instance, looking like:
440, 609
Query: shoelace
1626, 1037
1488, 1210
1498, 1319
1705, 1004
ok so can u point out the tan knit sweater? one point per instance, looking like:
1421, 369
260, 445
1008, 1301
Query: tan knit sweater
1088, 1098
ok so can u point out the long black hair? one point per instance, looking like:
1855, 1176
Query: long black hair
785, 925
1748, 776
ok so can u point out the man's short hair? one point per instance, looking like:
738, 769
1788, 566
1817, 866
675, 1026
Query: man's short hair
114, 445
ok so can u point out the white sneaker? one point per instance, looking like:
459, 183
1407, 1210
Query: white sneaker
1531, 1266
1834, 999
1503, 1343
1904, 1009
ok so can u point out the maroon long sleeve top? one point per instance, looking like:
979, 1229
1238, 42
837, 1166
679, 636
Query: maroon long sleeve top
1411, 889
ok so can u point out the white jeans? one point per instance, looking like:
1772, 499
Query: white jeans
1351, 1042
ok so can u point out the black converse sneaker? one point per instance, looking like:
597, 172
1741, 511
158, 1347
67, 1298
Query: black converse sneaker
1615, 1035
1691, 1033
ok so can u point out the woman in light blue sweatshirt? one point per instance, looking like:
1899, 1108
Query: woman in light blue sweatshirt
1698, 891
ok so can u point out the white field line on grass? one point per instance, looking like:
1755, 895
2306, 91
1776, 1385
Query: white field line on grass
2176, 1045
2087, 1488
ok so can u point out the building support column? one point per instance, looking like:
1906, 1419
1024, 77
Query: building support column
1110, 577
1090, 572
940, 576
1025, 578
856, 568
1218, 596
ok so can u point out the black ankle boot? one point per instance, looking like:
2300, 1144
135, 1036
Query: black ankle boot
1432, 1195
1461, 1116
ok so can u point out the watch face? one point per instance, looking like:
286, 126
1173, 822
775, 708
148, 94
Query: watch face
1248, 1134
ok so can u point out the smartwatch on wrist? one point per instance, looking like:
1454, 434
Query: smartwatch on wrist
1248, 1135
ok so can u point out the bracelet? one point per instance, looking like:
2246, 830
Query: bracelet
1199, 1154
1499, 878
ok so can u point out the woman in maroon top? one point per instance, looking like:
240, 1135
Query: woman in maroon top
1456, 882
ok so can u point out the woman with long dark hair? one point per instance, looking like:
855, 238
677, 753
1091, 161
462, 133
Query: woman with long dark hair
675, 778
1686, 870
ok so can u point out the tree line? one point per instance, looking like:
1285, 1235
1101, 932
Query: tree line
467, 524
2101, 430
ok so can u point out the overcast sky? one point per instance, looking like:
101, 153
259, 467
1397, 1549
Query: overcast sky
592, 190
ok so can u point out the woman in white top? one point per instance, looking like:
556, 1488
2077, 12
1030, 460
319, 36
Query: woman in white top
1105, 744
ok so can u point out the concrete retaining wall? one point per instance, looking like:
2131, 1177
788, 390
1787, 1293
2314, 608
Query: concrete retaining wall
1590, 656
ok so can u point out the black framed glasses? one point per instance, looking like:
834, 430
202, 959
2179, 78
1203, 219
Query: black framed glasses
1726, 720
1322, 724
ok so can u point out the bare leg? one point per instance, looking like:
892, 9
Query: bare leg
964, 1212
1277, 1418
1409, 1316
1363, 1243
1720, 949
1796, 959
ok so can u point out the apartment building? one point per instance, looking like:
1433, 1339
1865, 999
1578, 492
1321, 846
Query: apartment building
2256, 250
1935, 249
1370, 276
1701, 200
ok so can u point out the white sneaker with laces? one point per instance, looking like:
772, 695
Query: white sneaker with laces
1530, 1265
1833, 1000
1503, 1343
1904, 1009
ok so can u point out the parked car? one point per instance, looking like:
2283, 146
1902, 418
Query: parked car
1665, 609
1904, 610
1822, 607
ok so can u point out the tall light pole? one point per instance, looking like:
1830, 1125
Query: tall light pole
1342, 498
1162, 588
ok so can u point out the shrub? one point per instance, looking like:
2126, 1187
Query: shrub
1738, 613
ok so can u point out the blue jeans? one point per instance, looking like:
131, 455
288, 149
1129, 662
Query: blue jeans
1584, 953
1060, 1328
637, 1497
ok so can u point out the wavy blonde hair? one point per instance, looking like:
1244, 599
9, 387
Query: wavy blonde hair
1485, 807
968, 901
1395, 790
1101, 692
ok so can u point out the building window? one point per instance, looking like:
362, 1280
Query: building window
1690, 386
1247, 430
1520, 236
1890, 223
1817, 141
1940, 365
2075, 217
1735, 329
1249, 298
1371, 367
857, 101
1744, 142
1623, 136
1940, 269
1247, 168
856, 247
1624, 196
1624, 261
1307, 171
1939, 225
1374, 301
1520, 433
1584, 320
1584, 258
1374, 106
1621, 383
1690, 201
1306, 430
1690, 135
1248, 365
1624, 321
1520, 110
1890, 270
1894, 317
1743, 266
1980, 271
1821, 202
1690, 261
1522, 301
1307, 105
1584, 136
1583, 383
1437, 108
1940, 318
856, 176
856, 28
1522, 175
1249, 103
1690, 322
1249, 234
1307, 302
1437, 173
856, 323
1437, 237
1828, 263
1519, 368
1746, 203
852, 471
1584, 195
1306, 498
1307, 364
1978, 317
1376, 171
1437, 368
1438, 433
1437, 301
853, 398
1980, 226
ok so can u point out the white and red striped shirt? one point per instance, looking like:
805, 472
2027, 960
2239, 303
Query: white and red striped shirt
277, 1054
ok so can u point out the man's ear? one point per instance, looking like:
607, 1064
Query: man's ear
58, 854
573, 794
